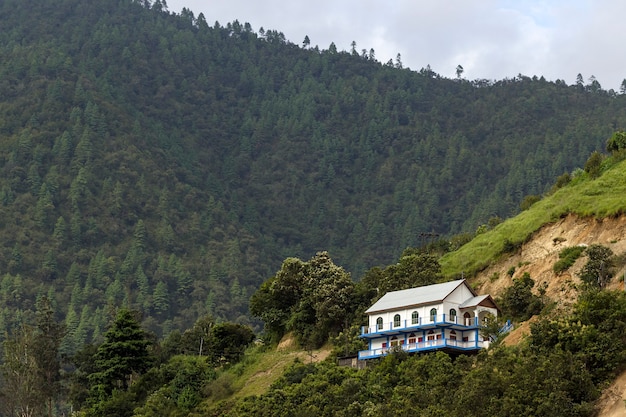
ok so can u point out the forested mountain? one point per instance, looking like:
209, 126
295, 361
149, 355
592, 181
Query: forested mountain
170, 164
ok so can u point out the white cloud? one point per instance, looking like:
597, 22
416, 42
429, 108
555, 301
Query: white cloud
491, 39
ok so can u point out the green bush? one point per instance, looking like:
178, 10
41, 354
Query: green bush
528, 201
567, 257
594, 164
518, 301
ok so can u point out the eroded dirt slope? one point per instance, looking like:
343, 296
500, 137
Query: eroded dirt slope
538, 256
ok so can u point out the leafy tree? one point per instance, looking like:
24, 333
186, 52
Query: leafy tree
616, 142
21, 386
492, 328
182, 380
272, 309
228, 341
597, 272
46, 349
414, 269
193, 341
312, 298
518, 299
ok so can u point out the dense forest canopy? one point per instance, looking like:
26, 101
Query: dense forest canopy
167, 163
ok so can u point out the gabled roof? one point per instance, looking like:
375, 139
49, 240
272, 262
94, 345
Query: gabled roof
473, 302
416, 296
480, 300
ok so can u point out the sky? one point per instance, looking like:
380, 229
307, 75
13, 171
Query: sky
490, 39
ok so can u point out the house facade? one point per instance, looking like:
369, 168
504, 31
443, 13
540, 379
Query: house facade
444, 316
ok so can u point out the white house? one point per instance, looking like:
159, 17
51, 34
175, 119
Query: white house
444, 316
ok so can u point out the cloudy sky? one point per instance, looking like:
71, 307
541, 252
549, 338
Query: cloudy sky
491, 39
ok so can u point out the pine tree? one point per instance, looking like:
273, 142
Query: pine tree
160, 298
143, 286
60, 231
68, 347
123, 354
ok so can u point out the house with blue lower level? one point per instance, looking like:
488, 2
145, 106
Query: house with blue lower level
444, 316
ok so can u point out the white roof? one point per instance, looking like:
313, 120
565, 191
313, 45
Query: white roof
474, 301
416, 296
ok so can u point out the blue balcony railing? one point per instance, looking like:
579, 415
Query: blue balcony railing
422, 322
472, 345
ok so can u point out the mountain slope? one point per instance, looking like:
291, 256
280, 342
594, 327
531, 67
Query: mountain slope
152, 160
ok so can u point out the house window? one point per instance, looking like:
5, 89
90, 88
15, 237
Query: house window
412, 338
431, 335
453, 315
384, 345
396, 320
433, 314
394, 341
452, 335
415, 318
379, 323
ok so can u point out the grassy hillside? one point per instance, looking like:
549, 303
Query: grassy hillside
585, 196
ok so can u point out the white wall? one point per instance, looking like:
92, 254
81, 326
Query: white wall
406, 314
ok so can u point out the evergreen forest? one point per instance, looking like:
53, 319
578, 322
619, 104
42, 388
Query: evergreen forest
168, 163
172, 187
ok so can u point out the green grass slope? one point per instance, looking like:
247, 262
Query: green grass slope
584, 196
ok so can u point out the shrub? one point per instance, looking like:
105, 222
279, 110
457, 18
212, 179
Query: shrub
616, 142
593, 164
528, 201
567, 257
509, 246
518, 300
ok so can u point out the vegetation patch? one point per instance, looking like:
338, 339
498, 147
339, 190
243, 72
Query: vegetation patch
567, 257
